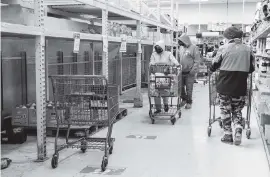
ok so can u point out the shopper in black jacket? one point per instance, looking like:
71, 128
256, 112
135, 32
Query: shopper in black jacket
235, 62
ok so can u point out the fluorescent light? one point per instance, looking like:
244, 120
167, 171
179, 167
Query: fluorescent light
198, 0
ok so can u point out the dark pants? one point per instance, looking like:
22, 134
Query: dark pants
187, 87
158, 99
231, 111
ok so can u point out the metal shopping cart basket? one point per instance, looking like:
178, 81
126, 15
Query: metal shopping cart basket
164, 85
214, 100
83, 100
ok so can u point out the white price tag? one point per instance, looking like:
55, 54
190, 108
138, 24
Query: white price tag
139, 47
76, 42
42, 41
123, 47
267, 47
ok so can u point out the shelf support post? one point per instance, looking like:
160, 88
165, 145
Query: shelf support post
159, 16
177, 32
105, 41
172, 24
40, 82
138, 100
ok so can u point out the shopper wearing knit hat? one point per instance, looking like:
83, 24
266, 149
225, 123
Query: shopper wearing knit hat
235, 63
233, 33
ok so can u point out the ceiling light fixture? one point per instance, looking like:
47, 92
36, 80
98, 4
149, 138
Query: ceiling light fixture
198, 0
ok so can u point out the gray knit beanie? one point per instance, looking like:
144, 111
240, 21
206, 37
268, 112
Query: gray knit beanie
232, 33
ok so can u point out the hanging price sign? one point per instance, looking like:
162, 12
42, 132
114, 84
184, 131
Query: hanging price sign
139, 46
105, 44
123, 47
77, 39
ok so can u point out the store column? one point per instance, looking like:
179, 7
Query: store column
138, 100
40, 82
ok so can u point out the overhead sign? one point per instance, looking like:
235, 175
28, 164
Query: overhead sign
210, 34
218, 26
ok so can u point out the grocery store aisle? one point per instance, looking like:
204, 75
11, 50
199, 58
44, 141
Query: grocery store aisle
163, 150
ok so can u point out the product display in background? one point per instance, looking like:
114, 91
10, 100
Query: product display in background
116, 30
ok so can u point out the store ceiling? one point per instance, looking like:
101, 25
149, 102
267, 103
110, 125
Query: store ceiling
166, 3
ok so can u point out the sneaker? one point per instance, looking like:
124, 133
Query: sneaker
238, 136
188, 106
157, 111
227, 138
166, 108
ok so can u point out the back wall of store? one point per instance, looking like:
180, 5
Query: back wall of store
216, 13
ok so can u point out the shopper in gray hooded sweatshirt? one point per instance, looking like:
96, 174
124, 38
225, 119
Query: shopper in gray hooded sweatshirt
189, 59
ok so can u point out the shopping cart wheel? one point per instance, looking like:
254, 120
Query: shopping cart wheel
104, 163
244, 123
125, 113
209, 130
248, 133
220, 124
173, 120
83, 146
150, 113
111, 150
54, 161
180, 114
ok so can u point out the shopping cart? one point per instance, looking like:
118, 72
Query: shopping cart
83, 100
164, 83
214, 100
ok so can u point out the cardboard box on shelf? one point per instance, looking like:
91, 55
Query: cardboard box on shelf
51, 117
20, 116
32, 117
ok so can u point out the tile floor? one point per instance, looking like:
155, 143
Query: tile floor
182, 150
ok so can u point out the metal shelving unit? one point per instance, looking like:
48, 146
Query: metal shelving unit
261, 97
262, 31
103, 11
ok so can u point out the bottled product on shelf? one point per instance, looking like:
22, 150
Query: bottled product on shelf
263, 66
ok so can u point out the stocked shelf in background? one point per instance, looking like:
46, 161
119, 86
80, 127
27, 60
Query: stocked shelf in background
262, 31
